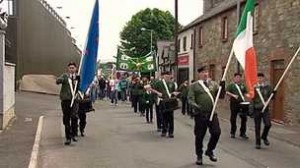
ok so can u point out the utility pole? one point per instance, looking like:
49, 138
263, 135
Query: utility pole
176, 39
238, 8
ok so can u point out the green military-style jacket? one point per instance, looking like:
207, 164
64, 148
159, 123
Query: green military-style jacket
266, 91
200, 99
159, 86
148, 97
232, 89
183, 91
65, 91
135, 89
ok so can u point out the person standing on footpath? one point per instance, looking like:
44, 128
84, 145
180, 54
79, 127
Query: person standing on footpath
237, 92
102, 86
201, 97
68, 91
183, 89
262, 93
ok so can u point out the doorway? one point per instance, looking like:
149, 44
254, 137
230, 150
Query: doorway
277, 69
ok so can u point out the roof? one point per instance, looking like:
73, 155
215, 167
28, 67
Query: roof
226, 5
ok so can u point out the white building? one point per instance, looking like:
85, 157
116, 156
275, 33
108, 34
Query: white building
186, 55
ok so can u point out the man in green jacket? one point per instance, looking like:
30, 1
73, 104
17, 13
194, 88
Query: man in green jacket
201, 97
166, 89
68, 81
262, 93
237, 92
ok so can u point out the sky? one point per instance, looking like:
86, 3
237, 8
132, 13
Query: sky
114, 14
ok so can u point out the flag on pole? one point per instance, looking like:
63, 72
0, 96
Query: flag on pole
243, 47
89, 58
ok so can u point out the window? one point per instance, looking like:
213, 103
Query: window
200, 37
192, 41
212, 71
184, 43
178, 45
255, 19
8, 6
224, 28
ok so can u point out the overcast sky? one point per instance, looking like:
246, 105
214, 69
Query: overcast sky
113, 16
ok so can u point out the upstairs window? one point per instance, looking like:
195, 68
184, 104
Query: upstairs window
224, 28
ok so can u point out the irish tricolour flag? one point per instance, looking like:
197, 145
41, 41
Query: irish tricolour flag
243, 47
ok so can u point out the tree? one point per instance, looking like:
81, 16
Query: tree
136, 35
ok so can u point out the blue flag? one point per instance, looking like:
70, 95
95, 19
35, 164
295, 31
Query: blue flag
89, 57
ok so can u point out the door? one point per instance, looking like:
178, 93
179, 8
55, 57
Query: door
277, 107
183, 75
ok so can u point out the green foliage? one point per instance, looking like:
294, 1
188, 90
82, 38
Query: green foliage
160, 22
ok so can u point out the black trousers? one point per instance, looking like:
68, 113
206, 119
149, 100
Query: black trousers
201, 124
185, 105
235, 110
149, 112
257, 121
159, 117
82, 121
134, 101
168, 122
70, 118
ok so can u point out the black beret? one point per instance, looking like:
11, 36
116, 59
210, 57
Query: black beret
237, 74
260, 75
72, 63
202, 68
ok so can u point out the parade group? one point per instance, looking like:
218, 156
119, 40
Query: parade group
161, 93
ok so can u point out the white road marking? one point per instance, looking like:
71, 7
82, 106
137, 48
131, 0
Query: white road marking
36, 145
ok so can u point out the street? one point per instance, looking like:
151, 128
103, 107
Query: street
118, 138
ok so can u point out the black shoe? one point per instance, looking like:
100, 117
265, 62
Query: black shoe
163, 135
199, 161
257, 146
171, 136
232, 136
211, 156
74, 139
266, 142
68, 142
244, 136
82, 134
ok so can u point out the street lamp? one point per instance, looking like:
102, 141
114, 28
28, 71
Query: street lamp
151, 36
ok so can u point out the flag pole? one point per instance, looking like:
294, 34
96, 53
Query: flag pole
280, 80
80, 64
220, 88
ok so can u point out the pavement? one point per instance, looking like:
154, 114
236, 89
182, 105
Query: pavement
116, 137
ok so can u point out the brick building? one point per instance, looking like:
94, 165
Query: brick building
276, 39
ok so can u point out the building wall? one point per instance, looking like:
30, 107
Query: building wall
44, 44
9, 94
189, 52
277, 38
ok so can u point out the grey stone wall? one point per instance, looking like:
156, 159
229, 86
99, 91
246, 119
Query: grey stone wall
277, 38
44, 45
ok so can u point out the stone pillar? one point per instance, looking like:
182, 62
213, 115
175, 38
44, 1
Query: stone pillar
2, 58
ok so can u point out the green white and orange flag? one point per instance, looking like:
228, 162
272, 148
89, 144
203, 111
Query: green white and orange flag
243, 47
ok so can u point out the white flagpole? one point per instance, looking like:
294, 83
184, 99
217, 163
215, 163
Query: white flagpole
280, 80
220, 88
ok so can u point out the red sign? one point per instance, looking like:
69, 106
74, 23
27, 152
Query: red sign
183, 60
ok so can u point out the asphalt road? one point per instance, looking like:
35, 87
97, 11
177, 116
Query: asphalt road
118, 138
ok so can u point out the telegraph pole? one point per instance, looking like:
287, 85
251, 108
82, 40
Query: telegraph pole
238, 8
176, 39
